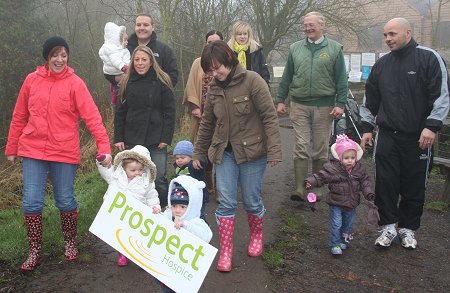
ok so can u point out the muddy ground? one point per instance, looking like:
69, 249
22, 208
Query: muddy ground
308, 265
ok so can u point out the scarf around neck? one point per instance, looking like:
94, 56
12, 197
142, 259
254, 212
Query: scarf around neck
240, 50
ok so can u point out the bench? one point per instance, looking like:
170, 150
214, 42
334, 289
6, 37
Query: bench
441, 159
444, 168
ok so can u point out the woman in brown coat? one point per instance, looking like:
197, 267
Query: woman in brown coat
239, 133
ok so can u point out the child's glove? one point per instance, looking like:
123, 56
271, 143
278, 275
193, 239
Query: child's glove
373, 217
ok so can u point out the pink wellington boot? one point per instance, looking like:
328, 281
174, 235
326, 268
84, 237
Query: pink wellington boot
255, 247
226, 229
122, 261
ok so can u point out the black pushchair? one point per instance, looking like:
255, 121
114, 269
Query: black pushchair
350, 122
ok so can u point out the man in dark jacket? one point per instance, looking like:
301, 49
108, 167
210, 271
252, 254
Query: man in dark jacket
408, 93
144, 34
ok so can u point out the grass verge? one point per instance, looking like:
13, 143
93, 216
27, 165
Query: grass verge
437, 206
89, 190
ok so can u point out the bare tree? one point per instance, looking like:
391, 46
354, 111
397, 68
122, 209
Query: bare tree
193, 20
436, 19
21, 52
124, 10
274, 20
277, 23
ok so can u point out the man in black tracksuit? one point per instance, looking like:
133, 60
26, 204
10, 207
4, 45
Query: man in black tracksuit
408, 93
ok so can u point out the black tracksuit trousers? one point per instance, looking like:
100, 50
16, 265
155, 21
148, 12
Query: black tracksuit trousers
400, 178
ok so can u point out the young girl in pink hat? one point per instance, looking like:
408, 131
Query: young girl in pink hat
347, 179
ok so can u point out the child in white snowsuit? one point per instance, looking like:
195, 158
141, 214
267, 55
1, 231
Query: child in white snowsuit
134, 173
185, 200
115, 56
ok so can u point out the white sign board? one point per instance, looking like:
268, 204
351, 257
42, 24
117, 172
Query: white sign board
368, 59
354, 76
177, 258
278, 71
347, 62
355, 62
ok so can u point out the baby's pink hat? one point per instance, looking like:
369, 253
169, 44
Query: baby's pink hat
343, 144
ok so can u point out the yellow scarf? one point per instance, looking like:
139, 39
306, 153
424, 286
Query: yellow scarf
240, 50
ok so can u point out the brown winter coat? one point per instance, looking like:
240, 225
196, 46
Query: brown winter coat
345, 188
193, 94
243, 114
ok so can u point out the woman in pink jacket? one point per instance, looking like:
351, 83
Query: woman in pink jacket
44, 133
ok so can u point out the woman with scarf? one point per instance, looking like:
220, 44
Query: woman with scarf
247, 50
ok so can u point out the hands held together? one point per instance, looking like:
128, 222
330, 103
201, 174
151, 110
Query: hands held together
104, 159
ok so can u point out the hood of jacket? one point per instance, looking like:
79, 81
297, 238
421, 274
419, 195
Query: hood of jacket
334, 153
45, 72
238, 74
112, 34
140, 154
195, 191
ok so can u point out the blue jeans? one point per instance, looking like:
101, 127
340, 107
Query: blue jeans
250, 178
35, 174
341, 222
159, 157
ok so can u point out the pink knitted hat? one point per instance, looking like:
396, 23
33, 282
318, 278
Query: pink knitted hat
343, 144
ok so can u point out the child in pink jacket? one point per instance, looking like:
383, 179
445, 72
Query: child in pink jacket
347, 179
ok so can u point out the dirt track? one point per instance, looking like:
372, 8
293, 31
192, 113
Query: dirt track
309, 267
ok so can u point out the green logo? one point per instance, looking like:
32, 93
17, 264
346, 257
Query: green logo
157, 235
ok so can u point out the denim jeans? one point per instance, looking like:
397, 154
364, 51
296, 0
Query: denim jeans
35, 174
341, 222
312, 129
249, 176
159, 157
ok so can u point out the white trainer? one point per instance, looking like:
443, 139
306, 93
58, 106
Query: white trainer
408, 238
388, 233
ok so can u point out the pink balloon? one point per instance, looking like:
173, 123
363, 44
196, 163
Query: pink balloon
312, 197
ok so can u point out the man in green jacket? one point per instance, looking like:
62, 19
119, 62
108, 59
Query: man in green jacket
316, 79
